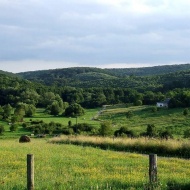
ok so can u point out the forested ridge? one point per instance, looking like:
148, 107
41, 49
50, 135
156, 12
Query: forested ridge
116, 72
66, 92
159, 78
93, 87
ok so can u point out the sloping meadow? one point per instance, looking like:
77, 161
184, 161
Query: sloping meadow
66, 166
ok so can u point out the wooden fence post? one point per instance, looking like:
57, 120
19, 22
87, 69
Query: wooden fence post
30, 172
153, 168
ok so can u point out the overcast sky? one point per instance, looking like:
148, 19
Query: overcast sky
49, 34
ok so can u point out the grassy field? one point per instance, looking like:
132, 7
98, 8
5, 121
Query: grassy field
63, 167
87, 118
66, 166
41, 115
172, 119
162, 147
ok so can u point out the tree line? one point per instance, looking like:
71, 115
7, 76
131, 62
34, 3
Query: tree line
15, 91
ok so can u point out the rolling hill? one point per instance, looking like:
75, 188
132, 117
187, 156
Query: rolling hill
147, 78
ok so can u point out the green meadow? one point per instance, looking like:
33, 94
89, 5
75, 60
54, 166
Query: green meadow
87, 118
59, 167
171, 119
68, 165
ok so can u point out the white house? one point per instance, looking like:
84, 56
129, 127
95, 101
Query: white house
163, 103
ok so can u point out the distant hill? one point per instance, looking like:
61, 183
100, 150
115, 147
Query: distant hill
149, 78
93, 87
67, 76
93, 76
121, 72
148, 71
8, 73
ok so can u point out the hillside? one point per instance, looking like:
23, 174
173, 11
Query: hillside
117, 72
12, 87
148, 71
148, 78
8, 73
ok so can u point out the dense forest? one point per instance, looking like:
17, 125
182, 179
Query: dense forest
93, 87
66, 92
159, 78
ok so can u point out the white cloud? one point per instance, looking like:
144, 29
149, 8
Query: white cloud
33, 65
94, 32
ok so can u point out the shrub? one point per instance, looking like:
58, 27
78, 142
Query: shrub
186, 133
186, 112
138, 103
154, 109
85, 127
25, 125
67, 131
124, 131
129, 114
151, 130
13, 127
166, 134
105, 129
2, 129
69, 123
36, 121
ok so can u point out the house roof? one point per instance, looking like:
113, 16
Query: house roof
166, 101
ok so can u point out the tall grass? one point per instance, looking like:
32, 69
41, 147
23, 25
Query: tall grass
63, 167
141, 145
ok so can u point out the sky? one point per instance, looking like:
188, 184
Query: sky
49, 34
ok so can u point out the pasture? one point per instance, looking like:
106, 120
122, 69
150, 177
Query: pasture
63, 167
170, 119
87, 118
67, 166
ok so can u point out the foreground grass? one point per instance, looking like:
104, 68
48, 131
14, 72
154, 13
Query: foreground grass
75, 167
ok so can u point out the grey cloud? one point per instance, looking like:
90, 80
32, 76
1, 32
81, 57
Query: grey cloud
93, 33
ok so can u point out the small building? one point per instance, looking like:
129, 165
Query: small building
163, 103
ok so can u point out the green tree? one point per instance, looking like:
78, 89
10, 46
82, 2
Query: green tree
186, 133
69, 123
19, 112
186, 112
1, 110
47, 99
13, 127
30, 110
7, 111
74, 110
98, 99
2, 129
105, 129
29, 96
151, 130
138, 103
55, 108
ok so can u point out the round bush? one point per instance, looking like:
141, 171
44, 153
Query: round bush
24, 139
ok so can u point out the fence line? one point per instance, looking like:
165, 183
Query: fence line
30, 172
152, 168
